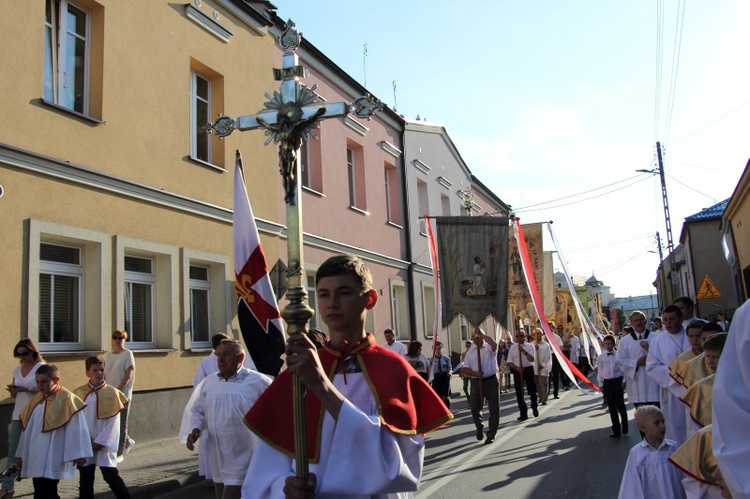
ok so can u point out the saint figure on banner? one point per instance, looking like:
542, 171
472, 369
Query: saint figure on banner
478, 287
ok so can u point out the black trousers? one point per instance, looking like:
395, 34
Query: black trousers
528, 382
45, 488
614, 396
110, 475
556, 370
490, 392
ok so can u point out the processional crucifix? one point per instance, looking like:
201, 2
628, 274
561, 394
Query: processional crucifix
290, 118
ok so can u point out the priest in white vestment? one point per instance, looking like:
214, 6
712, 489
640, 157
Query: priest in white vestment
217, 405
731, 406
662, 351
631, 358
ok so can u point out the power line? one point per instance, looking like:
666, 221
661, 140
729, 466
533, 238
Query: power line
715, 200
658, 60
725, 115
579, 194
618, 265
675, 67
649, 235
581, 200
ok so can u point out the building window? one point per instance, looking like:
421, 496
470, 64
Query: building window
67, 45
312, 300
428, 310
60, 295
424, 207
139, 299
399, 310
446, 204
392, 204
355, 167
200, 304
200, 93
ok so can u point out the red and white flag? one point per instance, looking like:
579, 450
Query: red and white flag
257, 308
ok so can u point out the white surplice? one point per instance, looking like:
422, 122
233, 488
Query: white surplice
641, 387
731, 406
219, 405
648, 474
357, 453
662, 351
105, 432
699, 490
51, 454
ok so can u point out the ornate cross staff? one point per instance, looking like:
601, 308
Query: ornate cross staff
290, 117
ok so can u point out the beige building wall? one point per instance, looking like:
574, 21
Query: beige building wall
119, 179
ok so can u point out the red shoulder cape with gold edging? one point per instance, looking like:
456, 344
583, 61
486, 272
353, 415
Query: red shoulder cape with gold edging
406, 403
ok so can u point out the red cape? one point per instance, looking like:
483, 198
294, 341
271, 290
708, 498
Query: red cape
406, 403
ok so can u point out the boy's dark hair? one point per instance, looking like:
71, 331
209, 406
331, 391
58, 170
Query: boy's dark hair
609, 337
413, 349
685, 300
712, 327
216, 339
49, 370
672, 309
345, 265
697, 325
715, 342
94, 359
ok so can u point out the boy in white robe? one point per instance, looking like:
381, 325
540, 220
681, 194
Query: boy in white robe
55, 438
648, 473
662, 351
103, 406
358, 445
218, 404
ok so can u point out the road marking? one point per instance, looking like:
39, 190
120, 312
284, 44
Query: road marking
450, 470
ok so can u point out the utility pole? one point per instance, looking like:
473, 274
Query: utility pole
667, 219
661, 292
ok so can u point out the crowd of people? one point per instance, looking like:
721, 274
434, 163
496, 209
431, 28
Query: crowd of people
378, 401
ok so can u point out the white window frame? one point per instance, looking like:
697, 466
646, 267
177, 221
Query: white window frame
222, 297
312, 300
96, 318
143, 279
428, 309
166, 268
399, 300
56, 79
47, 267
200, 285
195, 127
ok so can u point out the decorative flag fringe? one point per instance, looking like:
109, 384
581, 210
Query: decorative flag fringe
568, 368
587, 327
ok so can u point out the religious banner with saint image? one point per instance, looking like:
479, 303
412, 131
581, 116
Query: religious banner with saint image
519, 297
473, 254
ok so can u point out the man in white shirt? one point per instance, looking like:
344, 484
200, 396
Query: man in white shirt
542, 365
556, 368
392, 344
659, 325
480, 365
661, 353
631, 358
521, 362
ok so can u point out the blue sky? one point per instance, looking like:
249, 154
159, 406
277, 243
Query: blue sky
548, 98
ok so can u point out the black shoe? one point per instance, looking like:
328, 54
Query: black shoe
490, 440
625, 429
557, 397
614, 435
535, 412
544, 403
480, 433
522, 418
